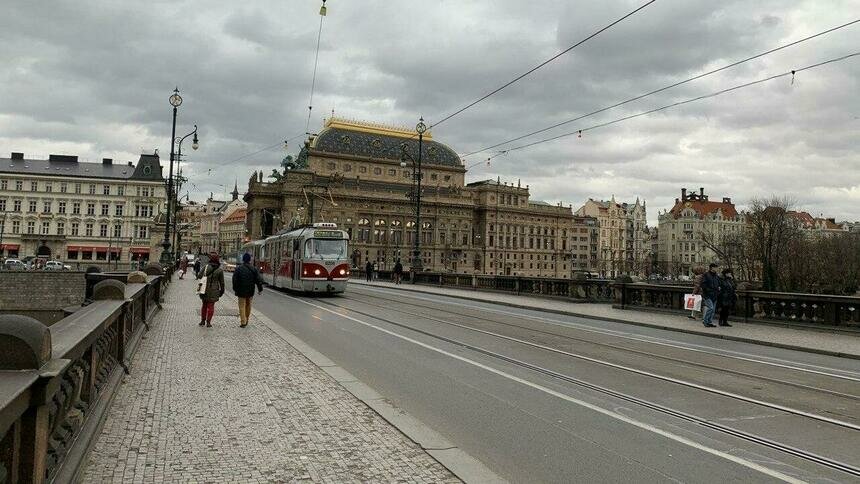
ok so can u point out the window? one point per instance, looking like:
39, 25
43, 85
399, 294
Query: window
16, 206
347, 167
92, 189
143, 211
76, 208
19, 185
377, 171
118, 211
46, 227
105, 209
4, 184
392, 172
331, 165
63, 187
31, 227
46, 207
120, 190
16, 227
32, 206
77, 188
75, 227
433, 176
88, 231
117, 231
87, 255
142, 232
34, 186
103, 230
106, 190
362, 169
91, 209
447, 177
2, 205
61, 228
72, 255
49, 187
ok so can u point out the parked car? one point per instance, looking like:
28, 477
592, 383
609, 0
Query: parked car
14, 265
55, 265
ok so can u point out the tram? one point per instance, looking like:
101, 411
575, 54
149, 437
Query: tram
311, 259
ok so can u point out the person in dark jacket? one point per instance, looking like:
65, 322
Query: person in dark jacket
728, 296
183, 267
245, 277
710, 294
214, 288
398, 272
368, 269
197, 267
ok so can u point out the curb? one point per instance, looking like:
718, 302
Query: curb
740, 339
458, 462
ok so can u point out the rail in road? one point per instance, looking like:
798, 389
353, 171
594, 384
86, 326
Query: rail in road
725, 406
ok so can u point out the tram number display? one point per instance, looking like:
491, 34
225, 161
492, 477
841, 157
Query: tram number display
328, 234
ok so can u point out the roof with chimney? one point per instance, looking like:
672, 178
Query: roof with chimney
700, 203
148, 167
809, 222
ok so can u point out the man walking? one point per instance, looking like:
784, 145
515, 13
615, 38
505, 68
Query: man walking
245, 277
368, 269
728, 296
398, 272
710, 293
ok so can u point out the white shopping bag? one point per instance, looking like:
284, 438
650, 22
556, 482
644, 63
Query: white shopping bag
693, 302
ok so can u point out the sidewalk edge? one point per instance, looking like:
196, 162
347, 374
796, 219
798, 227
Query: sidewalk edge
741, 339
443, 451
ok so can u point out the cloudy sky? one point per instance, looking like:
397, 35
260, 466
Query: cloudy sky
92, 78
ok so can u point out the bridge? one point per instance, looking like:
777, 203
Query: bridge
453, 378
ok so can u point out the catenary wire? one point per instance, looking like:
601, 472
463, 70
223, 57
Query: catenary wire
314, 77
670, 86
679, 103
533, 69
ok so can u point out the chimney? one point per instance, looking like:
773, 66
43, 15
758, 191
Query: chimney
676, 201
702, 192
17, 156
63, 158
831, 220
107, 161
130, 164
727, 200
683, 195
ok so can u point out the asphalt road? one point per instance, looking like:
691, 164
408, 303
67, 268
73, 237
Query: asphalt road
541, 397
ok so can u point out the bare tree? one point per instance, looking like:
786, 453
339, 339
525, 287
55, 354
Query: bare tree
772, 232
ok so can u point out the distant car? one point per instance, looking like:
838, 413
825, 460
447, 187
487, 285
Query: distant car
55, 265
229, 267
14, 265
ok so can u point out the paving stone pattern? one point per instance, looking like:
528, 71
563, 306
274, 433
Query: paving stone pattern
227, 404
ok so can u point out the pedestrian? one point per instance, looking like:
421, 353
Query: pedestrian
245, 277
398, 272
368, 269
214, 288
197, 268
710, 294
183, 267
698, 272
728, 296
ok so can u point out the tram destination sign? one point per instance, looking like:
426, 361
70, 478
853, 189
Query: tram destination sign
328, 234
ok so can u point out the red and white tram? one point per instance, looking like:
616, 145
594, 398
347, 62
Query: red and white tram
310, 259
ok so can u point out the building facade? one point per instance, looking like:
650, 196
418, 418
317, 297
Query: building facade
231, 233
687, 232
80, 213
353, 174
623, 239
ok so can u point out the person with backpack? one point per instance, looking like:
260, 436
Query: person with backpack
245, 277
212, 289
710, 294
398, 272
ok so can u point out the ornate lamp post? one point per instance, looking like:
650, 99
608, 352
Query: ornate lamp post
166, 255
416, 263
194, 145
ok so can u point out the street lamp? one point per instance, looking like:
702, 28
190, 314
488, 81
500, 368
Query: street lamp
416, 175
194, 145
166, 256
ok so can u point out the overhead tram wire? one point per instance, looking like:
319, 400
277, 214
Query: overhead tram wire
279, 143
680, 103
535, 68
316, 61
670, 86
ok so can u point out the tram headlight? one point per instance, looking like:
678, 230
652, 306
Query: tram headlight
316, 272
343, 272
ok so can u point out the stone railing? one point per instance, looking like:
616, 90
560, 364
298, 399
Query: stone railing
790, 308
592, 290
56, 383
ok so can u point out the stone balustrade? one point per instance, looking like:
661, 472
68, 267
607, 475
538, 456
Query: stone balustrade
56, 383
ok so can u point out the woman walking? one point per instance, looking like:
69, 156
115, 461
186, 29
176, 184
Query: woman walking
214, 288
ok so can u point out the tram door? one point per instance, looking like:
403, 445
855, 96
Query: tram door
276, 261
297, 261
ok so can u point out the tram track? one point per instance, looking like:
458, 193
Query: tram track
818, 370
654, 406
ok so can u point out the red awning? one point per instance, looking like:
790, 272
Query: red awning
80, 248
9, 246
139, 250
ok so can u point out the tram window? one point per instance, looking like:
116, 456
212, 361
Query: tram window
296, 247
325, 249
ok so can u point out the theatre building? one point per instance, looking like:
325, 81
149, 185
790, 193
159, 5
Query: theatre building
80, 213
354, 174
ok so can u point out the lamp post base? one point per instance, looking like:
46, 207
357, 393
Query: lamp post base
166, 258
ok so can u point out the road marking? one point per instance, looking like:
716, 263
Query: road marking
683, 440
642, 338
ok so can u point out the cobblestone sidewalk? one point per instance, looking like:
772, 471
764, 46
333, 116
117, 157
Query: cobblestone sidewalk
227, 404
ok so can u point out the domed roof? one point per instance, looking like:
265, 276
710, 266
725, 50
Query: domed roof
370, 140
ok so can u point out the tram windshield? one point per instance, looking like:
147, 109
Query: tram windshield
325, 249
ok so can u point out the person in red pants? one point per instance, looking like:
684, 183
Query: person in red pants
214, 288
